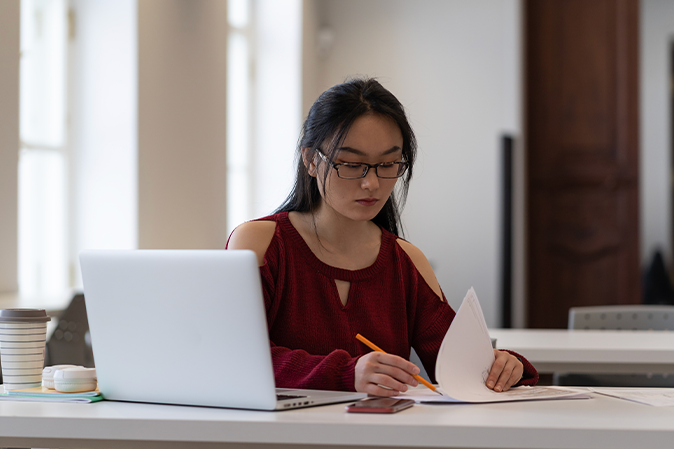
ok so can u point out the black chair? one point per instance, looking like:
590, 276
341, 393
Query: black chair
70, 343
657, 284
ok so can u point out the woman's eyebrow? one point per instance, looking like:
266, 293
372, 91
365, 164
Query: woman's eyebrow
357, 152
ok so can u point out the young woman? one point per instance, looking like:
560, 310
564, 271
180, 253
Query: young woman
333, 266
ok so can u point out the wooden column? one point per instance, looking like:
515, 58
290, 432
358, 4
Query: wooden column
582, 156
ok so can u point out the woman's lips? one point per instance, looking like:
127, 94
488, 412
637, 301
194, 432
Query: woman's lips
367, 201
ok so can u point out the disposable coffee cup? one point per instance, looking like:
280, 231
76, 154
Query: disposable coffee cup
23, 334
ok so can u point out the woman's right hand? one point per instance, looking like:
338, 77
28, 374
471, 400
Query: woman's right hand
377, 370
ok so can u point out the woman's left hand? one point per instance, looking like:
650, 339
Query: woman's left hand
506, 371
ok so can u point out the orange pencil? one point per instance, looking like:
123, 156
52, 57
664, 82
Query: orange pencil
374, 347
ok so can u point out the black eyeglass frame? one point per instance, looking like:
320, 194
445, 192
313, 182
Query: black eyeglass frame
402, 167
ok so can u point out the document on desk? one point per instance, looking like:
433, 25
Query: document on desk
42, 394
658, 397
465, 359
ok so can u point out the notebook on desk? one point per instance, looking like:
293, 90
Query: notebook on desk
185, 327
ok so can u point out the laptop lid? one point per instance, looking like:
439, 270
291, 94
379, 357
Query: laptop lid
185, 327
179, 327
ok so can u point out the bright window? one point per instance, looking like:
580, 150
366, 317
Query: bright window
43, 257
264, 105
238, 113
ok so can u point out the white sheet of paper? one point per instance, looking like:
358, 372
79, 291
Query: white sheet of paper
658, 397
514, 394
466, 355
465, 359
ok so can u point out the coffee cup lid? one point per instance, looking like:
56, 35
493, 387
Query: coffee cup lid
24, 316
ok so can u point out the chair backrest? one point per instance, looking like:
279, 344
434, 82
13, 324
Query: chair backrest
630, 317
70, 342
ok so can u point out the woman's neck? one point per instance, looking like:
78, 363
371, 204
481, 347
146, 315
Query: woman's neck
334, 235
341, 231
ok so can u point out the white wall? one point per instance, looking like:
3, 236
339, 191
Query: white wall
455, 67
657, 35
9, 142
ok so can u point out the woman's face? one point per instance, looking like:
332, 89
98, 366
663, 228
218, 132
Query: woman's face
372, 139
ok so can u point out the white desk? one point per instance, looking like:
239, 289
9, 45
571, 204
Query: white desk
581, 351
601, 422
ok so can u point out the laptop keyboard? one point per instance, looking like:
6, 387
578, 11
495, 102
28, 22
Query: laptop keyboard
281, 397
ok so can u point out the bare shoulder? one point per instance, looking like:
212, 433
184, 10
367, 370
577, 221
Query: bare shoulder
255, 236
422, 265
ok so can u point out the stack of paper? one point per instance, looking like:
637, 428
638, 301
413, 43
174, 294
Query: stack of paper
465, 359
42, 394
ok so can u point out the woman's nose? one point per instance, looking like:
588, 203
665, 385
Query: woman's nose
370, 181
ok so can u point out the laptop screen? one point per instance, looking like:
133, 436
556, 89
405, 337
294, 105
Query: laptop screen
179, 326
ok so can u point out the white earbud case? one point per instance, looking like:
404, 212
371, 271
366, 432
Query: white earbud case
75, 380
48, 374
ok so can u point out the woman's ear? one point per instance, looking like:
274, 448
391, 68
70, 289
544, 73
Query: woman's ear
309, 163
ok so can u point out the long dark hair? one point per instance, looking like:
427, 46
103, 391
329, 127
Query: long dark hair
329, 120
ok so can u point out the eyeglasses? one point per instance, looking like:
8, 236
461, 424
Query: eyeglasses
353, 170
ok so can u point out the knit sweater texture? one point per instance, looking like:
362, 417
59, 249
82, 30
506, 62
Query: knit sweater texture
313, 335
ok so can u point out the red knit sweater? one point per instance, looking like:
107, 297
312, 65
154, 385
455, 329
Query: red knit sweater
312, 334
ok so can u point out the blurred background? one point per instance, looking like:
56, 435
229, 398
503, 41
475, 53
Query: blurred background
544, 130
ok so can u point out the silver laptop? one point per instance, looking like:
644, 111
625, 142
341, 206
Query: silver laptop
185, 327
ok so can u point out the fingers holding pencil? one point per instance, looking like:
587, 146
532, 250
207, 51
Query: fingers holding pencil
381, 374
409, 367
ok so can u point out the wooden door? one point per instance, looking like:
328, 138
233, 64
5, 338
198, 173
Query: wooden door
582, 156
